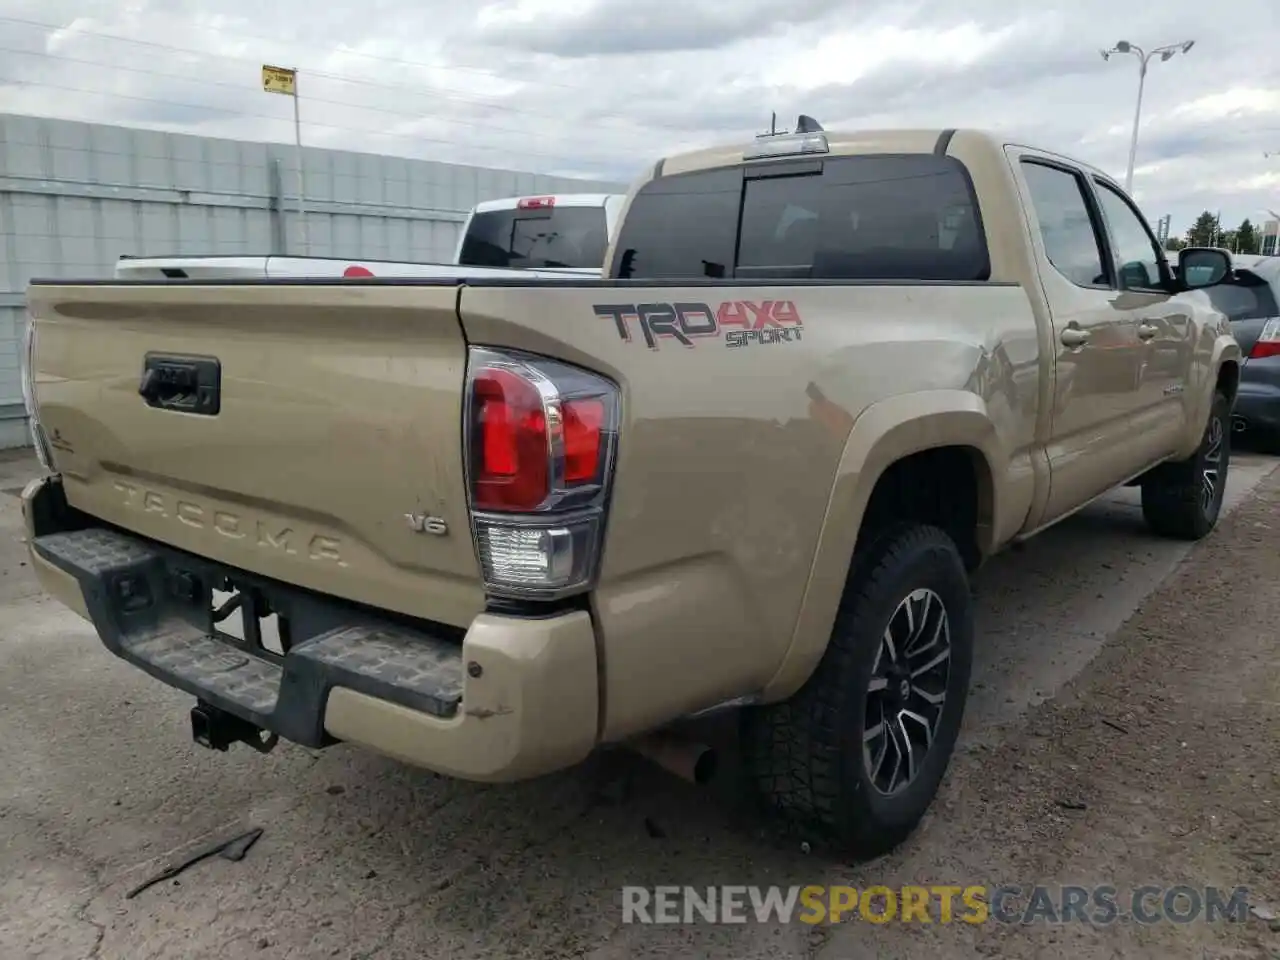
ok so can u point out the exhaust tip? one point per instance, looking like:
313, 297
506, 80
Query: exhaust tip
687, 759
1239, 424
705, 767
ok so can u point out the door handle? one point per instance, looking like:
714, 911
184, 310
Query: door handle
1147, 330
1074, 337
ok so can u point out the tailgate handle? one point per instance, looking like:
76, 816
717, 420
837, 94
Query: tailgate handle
183, 384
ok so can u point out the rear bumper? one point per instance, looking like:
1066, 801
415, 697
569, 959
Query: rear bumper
1257, 404
507, 699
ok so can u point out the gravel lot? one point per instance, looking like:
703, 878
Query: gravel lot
1131, 679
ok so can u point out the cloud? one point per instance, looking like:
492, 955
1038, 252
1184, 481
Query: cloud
602, 88
1238, 103
576, 29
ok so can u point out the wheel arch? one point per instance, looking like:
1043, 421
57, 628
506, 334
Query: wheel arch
899, 439
1221, 372
1228, 380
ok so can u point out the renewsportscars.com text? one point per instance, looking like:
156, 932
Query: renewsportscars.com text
975, 904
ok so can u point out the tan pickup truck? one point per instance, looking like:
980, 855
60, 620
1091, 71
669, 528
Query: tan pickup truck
488, 527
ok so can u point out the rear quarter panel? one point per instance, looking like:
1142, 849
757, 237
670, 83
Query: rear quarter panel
742, 470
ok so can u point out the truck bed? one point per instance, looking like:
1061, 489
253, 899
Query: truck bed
279, 267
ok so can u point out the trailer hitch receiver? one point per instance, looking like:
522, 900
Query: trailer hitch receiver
215, 729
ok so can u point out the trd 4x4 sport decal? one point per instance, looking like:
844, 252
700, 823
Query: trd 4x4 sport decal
737, 323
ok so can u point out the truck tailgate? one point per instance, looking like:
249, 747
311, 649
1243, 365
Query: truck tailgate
338, 427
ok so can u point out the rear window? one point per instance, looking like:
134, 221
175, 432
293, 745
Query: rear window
1246, 297
558, 237
900, 217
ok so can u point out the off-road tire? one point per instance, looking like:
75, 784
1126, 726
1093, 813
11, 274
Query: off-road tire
804, 757
1172, 496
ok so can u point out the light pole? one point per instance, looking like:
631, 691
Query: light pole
1144, 58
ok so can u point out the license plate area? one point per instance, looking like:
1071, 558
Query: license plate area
242, 615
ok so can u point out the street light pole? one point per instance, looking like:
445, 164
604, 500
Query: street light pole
1137, 119
1144, 58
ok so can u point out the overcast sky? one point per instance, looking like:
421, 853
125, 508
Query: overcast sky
604, 87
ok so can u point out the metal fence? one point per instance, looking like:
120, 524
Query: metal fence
74, 197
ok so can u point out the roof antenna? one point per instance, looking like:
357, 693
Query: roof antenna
773, 130
806, 124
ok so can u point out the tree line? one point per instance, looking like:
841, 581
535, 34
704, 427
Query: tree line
1207, 232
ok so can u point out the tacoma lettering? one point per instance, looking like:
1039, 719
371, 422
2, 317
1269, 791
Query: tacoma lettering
736, 323
263, 534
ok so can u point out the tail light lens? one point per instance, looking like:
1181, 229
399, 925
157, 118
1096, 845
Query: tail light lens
38, 438
510, 462
1268, 343
540, 441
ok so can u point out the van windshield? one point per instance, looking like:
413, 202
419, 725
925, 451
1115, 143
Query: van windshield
567, 237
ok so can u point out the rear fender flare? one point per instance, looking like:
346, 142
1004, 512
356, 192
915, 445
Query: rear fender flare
883, 434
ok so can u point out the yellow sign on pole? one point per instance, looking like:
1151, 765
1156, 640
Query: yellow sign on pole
284, 80
279, 80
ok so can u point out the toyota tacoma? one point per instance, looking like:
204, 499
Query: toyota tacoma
490, 526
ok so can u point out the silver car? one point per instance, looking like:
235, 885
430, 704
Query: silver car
1250, 302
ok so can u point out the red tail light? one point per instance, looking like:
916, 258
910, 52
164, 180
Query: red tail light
536, 203
584, 423
511, 468
540, 437
1268, 342
1265, 348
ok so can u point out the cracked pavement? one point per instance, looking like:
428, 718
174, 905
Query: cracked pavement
363, 857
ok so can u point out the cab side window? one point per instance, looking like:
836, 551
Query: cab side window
1068, 230
1137, 255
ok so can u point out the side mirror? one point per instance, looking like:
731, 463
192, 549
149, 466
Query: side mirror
1203, 266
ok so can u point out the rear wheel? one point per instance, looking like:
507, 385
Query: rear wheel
1183, 500
858, 753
